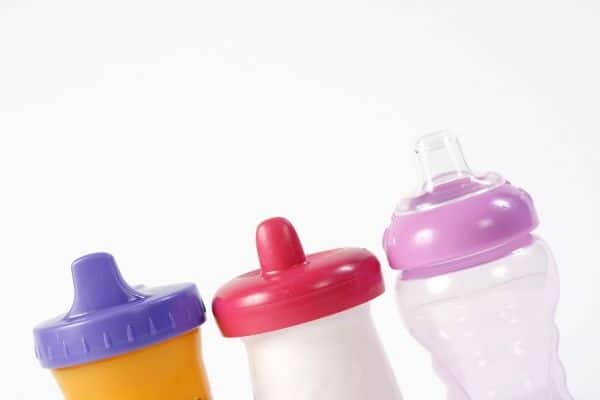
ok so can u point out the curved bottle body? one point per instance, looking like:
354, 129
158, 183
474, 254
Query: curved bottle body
338, 357
490, 328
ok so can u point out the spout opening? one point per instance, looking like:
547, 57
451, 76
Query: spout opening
441, 159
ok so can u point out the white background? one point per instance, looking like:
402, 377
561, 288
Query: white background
164, 131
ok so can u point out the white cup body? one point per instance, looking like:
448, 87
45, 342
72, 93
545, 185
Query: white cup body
338, 357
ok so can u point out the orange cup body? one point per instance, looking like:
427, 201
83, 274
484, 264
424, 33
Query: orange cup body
169, 370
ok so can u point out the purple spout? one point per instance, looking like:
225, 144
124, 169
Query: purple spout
98, 284
108, 317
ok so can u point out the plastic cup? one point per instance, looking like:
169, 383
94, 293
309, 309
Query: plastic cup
124, 343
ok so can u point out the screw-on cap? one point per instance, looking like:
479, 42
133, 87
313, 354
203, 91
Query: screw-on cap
459, 219
292, 288
108, 317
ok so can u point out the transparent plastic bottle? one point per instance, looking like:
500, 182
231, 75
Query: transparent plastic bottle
477, 288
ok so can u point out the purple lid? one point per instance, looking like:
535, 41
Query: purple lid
459, 219
108, 317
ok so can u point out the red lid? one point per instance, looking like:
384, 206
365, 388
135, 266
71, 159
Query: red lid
291, 288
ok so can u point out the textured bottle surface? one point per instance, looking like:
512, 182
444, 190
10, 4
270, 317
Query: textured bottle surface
490, 329
338, 357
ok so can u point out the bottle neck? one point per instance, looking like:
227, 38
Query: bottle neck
470, 261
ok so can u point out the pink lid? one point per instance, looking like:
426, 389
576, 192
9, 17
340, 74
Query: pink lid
459, 219
292, 288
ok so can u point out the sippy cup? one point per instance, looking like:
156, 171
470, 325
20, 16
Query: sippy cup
124, 343
305, 321
477, 288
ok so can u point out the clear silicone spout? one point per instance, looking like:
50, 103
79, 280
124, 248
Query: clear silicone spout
440, 159
445, 175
